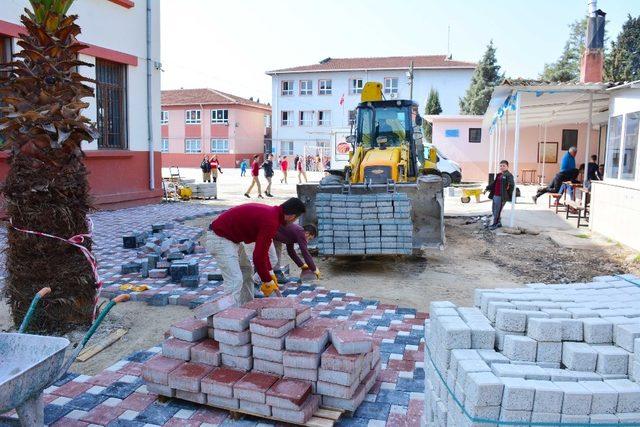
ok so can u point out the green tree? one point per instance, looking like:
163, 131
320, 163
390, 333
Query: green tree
623, 61
567, 67
431, 108
486, 76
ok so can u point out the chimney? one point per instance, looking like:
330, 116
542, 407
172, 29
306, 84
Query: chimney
592, 61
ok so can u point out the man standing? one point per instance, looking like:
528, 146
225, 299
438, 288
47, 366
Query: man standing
255, 179
500, 191
268, 173
569, 160
249, 223
290, 235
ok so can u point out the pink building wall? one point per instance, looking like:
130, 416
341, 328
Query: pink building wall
474, 157
245, 132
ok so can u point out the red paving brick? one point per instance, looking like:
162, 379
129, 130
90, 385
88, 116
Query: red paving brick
210, 415
415, 355
234, 319
105, 378
220, 381
131, 368
294, 391
138, 401
68, 422
388, 376
72, 389
157, 369
399, 420
401, 365
187, 377
103, 414
256, 381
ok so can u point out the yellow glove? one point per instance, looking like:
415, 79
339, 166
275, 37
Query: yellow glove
304, 267
273, 277
270, 287
317, 273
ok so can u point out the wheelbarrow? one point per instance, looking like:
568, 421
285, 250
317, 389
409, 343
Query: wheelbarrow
468, 192
32, 363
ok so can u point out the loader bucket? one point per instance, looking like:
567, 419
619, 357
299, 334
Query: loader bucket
427, 205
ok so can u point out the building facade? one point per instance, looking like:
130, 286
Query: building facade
309, 101
124, 163
199, 122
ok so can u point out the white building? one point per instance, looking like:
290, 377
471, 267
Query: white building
125, 162
310, 100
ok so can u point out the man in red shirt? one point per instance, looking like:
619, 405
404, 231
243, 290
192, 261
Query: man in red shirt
255, 171
248, 223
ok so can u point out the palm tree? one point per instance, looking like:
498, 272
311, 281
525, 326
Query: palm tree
46, 190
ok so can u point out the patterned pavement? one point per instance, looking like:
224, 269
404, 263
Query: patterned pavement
118, 397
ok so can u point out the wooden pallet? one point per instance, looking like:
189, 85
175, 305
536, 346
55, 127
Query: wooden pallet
323, 417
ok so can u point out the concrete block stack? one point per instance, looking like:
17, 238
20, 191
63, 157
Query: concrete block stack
204, 190
159, 255
267, 358
560, 354
351, 224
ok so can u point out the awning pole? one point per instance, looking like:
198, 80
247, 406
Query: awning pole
497, 147
506, 134
492, 135
516, 148
544, 152
588, 145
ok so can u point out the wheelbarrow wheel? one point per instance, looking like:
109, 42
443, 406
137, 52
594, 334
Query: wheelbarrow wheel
465, 199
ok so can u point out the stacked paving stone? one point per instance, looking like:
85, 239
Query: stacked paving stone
543, 353
205, 190
351, 224
266, 358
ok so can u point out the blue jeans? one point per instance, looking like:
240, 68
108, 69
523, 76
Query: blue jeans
498, 204
568, 188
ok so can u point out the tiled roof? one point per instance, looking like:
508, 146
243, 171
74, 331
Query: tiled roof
381, 63
206, 97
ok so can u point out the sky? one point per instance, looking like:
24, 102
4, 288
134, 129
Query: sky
228, 45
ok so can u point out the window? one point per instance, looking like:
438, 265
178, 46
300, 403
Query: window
220, 116
164, 117
630, 146
569, 138
111, 96
613, 147
355, 86
324, 87
306, 87
164, 145
191, 145
390, 85
352, 117
324, 118
219, 145
193, 117
475, 134
306, 118
267, 121
286, 148
287, 88
287, 118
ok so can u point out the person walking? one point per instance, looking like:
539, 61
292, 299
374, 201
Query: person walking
500, 192
215, 168
244, 224
267, 165
299, 164
255, 179
205, 166
243, 168
284, 167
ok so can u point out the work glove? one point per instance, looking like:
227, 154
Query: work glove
304, 267
317, 273
270, 287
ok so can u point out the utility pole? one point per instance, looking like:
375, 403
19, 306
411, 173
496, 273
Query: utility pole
410, 77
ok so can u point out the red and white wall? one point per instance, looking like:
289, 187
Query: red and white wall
245, 133
116, 31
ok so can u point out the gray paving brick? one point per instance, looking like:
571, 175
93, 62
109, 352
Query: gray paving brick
576, 400
578, 356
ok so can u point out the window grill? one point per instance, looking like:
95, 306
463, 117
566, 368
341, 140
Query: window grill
111, 96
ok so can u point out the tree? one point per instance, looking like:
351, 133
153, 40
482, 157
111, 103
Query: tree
567, 67
46, 189
485, 78
431, 108
623, 61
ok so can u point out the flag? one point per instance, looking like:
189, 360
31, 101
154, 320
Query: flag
342, 100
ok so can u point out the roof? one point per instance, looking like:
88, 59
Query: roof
206, 97
379, 63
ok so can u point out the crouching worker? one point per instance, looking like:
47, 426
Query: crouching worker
290, 235
249, 223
